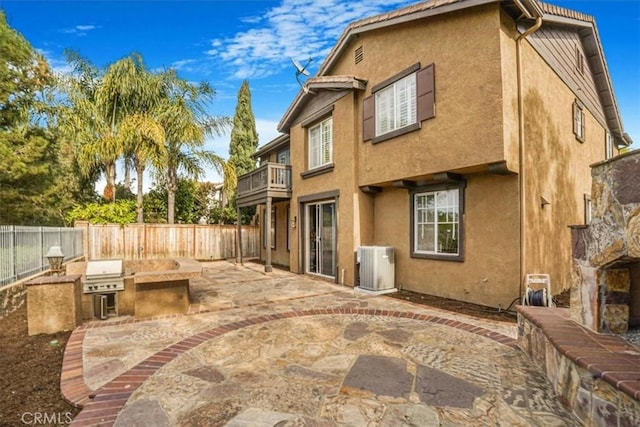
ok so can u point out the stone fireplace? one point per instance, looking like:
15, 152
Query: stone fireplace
605, 291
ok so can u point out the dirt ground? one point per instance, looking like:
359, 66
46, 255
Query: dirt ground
30, 366
30, 375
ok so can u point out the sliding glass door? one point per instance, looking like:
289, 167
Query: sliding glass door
320, 238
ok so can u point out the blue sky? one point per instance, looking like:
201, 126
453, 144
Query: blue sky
225, 42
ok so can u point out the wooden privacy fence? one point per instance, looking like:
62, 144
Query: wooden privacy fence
140, 241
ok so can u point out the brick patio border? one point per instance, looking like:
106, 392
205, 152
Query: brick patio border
101, 407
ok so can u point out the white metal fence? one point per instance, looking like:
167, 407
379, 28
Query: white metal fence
23, 249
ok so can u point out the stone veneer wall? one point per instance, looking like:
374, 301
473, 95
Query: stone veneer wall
577, 368
606, 251
12, 297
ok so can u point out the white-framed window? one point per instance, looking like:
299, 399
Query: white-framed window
400, 104
436, 224
396, 105
284, 157
578, 122
321, 143
608, 145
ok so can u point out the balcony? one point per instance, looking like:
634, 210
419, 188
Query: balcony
269, 180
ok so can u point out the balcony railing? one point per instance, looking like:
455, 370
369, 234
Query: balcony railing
270, 179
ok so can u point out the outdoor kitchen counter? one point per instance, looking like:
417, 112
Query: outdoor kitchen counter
184, 268
152, 287
165, 291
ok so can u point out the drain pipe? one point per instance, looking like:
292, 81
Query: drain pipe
521, 145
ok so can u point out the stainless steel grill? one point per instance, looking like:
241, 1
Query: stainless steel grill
103, 276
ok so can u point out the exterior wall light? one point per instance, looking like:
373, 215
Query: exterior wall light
293, 222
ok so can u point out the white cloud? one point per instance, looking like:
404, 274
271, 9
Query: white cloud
79, 30
298, 29
58, 65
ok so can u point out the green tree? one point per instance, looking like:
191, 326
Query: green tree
115, 113
37, 182
187, 205
244, 137
244, 142
120, 212
186, 123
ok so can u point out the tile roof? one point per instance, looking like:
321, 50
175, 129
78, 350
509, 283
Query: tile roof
408, 10
552, 9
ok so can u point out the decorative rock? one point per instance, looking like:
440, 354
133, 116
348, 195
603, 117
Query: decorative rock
616, 318
380, 375
143, 413
612, 238
437, 388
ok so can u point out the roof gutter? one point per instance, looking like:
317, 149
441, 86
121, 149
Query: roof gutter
531, 11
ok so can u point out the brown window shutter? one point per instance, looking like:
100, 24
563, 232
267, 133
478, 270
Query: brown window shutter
575, 118
425, 91
368, 119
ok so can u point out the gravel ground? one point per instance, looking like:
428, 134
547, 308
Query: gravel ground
633, 336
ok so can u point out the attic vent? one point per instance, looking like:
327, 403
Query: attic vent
358, 55
579, 60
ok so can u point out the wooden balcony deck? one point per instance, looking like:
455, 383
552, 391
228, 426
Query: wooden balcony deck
269, 180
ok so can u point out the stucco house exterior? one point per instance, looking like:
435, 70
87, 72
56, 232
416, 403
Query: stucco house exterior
459, 132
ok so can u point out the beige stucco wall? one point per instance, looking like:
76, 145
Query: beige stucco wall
341, 179
556, 168
279, 255
509, 72
490, 270
467, 130
53, 304
476, 124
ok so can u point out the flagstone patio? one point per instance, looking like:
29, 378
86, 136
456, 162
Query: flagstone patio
286, 349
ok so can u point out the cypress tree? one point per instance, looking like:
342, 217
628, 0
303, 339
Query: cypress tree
244, 137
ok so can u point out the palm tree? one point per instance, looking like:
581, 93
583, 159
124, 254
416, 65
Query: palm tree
186, 124
136, 96
111, 114
145, 139
90, 123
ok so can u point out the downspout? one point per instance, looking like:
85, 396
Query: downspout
521, 145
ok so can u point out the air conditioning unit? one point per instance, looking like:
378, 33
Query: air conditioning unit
377, 268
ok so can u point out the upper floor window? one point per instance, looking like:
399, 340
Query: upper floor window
608, 145
283, 157
399, 104
437, 223
396, 105
578, 122
321, 144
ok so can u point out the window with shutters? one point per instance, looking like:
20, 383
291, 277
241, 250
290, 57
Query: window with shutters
399, 104
578, 121
321, 144
396, 105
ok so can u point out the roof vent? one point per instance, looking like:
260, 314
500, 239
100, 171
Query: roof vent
358, 55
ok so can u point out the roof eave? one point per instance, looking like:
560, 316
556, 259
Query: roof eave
354, 29
275, 143
304, 95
